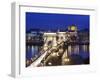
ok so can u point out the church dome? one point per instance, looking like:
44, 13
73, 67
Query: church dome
72, 28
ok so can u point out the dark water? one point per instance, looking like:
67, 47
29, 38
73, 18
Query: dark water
79, 54
81, 50
32, 51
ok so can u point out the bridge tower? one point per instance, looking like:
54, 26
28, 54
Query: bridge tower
49, 40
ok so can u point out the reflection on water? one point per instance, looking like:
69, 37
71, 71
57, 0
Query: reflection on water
32, 51
73, 49
82, 50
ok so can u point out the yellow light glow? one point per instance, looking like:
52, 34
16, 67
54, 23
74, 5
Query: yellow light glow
49, 63
66, 60
54, 54
73, 28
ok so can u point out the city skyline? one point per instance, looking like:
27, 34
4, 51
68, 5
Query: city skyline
51, 21
57, 39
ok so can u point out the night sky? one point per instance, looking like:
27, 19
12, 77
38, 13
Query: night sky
50, 21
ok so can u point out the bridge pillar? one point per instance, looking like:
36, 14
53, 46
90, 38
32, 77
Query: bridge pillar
50, 40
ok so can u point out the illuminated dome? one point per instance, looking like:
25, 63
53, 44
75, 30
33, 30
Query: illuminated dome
72, 28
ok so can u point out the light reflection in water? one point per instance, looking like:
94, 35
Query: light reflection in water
82, 50
85, 48
32, 51
73, 49
78, 49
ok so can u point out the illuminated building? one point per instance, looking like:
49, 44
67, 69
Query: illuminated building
72, 28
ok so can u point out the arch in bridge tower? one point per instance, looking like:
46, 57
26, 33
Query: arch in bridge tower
61, 36
50, 40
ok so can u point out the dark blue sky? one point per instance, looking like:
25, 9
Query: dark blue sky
48, 21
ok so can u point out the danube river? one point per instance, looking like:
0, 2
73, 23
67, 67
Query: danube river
79, 54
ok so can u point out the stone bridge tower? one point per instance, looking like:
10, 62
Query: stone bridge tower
49, 40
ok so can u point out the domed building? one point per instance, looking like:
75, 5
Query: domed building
72, 28
73, 33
